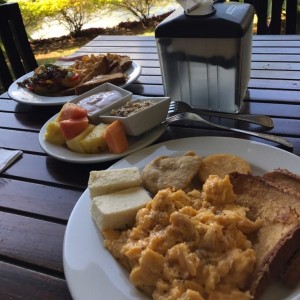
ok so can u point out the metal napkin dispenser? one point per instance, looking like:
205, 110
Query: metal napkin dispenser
206, 58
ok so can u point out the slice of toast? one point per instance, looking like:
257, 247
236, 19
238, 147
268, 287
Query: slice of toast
289, 183
290, 275
284, 180
116, 78
279, 237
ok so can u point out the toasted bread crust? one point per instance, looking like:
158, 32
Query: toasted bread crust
279, 238
291, 274
116, 78
284, 180
289, 183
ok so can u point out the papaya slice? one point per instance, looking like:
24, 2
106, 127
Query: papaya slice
115, 137
73, 127
71, 111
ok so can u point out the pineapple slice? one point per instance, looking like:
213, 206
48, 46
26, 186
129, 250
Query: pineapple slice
94, 142
75, 145
53, 134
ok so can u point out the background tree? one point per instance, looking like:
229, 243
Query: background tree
140, 9
33, 13
73, 14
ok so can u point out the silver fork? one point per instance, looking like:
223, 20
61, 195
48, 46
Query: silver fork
180, 106
197, 118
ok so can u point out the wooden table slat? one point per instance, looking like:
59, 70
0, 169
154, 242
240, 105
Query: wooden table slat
278, 66
275, 84
44, 237
276, 57
57, 202
274, 74
46, 173
29, 285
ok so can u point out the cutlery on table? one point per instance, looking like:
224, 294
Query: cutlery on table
180, 106
194, 117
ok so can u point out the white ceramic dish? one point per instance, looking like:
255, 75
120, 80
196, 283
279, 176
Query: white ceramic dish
24, 96
91, 271
106, 87
64, 154
143, 120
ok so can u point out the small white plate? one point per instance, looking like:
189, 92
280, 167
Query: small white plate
92, 272
64, 154
23, 95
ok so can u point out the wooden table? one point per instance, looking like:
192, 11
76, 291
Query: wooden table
38, 192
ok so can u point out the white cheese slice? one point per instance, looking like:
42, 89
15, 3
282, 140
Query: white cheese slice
109, 181
118, 210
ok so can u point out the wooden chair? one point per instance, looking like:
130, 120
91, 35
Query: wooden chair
16, 55
291, 17
261, 8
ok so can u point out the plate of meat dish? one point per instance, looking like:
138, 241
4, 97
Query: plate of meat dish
52, 84
92, 268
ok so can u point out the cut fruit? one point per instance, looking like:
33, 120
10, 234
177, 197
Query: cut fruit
71, 111
73, 127
115, 137
75, 143
94, 142
53, 134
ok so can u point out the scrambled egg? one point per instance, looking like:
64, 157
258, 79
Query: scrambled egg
189, 245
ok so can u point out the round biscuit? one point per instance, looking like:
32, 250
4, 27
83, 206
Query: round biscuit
222, 164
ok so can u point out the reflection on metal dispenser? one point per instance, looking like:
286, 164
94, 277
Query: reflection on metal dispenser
205, 58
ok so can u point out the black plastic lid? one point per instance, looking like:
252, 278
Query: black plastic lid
230, 20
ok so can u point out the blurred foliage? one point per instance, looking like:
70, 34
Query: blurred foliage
140, 9
73, 14
33, 13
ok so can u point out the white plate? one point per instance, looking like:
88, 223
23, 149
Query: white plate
91, 271
23, 95
64, 154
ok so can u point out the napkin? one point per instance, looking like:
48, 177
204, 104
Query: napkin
204, 7
7, 157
